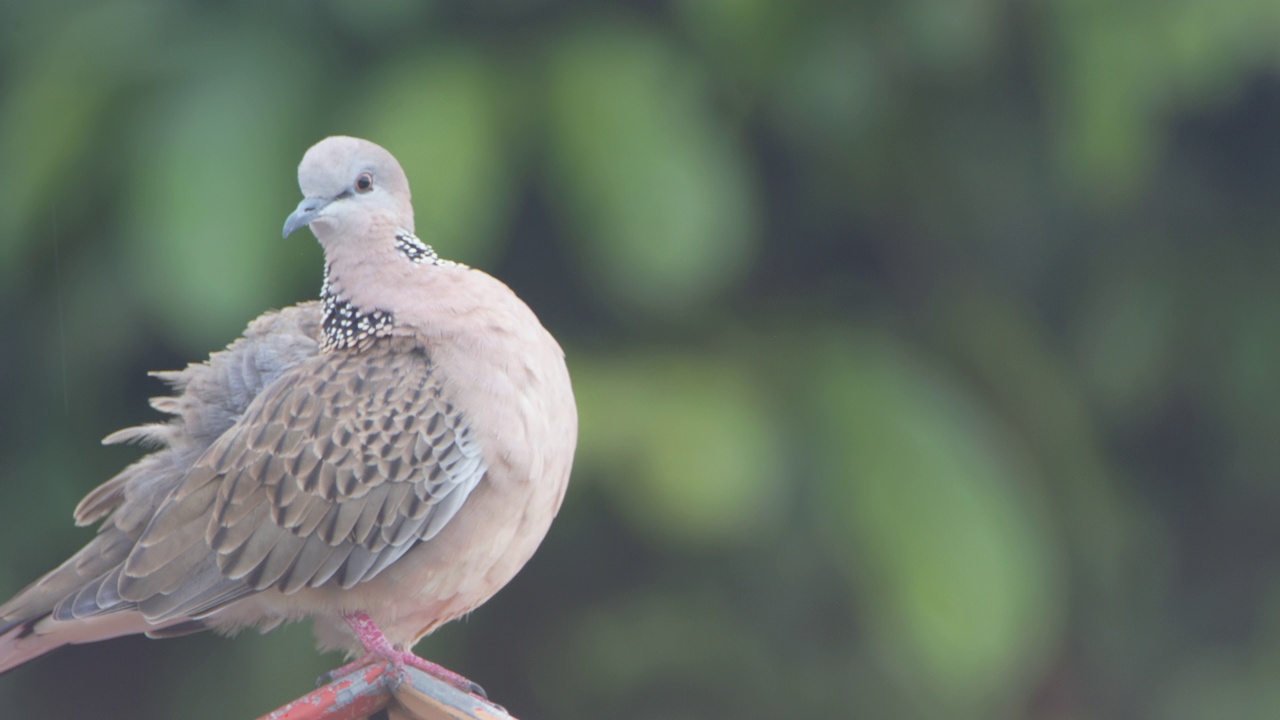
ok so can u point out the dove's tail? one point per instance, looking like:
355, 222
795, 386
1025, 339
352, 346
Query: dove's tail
20, 643
27, 639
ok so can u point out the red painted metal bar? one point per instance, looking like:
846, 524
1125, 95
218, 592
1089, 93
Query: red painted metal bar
350, 697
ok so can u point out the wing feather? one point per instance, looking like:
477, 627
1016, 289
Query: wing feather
337, 469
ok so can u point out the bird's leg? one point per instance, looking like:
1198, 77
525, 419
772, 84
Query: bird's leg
378, 647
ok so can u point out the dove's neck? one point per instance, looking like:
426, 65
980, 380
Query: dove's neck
417, 251
353, 320
346, 325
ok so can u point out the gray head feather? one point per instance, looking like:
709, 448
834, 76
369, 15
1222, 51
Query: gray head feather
349, 186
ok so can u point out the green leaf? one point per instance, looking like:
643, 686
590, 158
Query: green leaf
1117, 69
54, 107
205, 238
930, 503
750, 39
694, 459
657, 188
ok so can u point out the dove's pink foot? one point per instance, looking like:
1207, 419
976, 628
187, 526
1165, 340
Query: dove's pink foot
379, 648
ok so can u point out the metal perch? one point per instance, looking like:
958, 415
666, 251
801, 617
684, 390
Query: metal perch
406, 693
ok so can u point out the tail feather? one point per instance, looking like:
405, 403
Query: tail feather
29, 638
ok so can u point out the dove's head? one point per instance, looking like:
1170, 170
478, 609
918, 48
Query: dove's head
351, 188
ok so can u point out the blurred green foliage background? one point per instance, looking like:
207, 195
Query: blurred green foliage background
926, 350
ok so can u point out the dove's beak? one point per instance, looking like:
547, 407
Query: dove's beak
307, 211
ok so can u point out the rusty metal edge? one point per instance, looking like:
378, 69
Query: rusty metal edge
350, 697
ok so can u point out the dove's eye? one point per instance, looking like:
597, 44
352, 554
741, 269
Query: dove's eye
364, 183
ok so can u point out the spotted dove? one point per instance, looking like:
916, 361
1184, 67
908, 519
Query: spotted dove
382, 460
